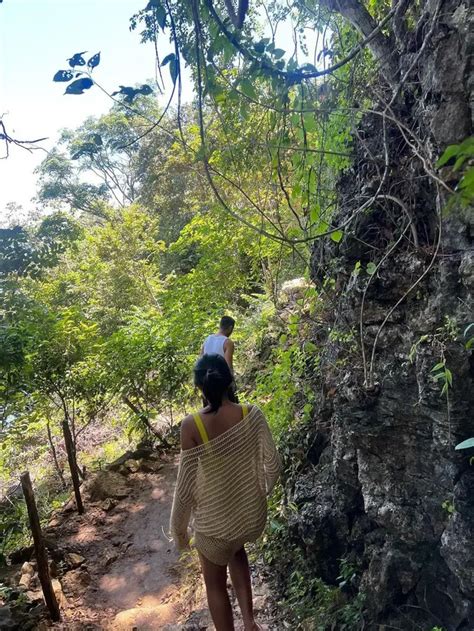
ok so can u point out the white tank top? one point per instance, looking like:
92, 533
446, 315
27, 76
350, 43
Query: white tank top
214, 344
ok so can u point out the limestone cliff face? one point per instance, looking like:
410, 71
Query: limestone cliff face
381, 484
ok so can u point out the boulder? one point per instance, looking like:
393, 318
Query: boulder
28, 568
74, 560
58, 592
151, 466
69, 506
10, 575
293, 290
104, 485
75, 581
21, 555
143, 451
25, 580
54, 522
133, 466
142, 619
53, 569
34, 597
108, 504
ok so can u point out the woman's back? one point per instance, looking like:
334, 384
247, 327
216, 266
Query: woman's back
217, 423
226, 479
230, 498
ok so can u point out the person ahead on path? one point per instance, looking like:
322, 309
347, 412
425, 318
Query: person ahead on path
228, 466
220, 344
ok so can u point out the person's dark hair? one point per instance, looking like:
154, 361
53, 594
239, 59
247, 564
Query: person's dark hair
212, 375
227, 323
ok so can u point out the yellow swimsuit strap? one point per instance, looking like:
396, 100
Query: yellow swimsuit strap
202, 430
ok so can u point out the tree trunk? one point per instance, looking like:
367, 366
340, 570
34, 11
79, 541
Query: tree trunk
71, 456
382, 47
55, 456
40, 549
146, 421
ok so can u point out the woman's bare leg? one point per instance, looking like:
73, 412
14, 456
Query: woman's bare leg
240, 575
215, 578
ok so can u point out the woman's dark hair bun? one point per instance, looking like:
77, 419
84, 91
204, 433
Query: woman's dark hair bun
212, 374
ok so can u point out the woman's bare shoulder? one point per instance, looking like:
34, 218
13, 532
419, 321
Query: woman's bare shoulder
188, 426
252, 406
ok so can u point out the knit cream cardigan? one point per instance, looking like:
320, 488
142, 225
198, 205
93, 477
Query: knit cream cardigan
223, 484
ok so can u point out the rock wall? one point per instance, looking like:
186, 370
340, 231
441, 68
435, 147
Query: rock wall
381, 484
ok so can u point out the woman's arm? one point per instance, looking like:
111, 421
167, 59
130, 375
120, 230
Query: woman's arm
184, 491
180, 516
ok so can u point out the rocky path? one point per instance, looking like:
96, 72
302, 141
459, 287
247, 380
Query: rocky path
116, 569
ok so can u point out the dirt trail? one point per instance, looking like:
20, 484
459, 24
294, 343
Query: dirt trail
130, 578
130, 574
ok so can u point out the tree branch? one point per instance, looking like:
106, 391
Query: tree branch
381, 47
237, 17
24, 144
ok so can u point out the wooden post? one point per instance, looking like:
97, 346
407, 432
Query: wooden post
71, 457
40, 550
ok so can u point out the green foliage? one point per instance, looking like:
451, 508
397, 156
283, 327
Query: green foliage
466, 444
469, 338
14, 525
13, 528
414, 348
308, 601
97, 163
282, 388
443, 375
26, 252
448, 507
459, 158
145, 368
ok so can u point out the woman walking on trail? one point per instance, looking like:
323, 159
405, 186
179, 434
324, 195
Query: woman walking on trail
228, 465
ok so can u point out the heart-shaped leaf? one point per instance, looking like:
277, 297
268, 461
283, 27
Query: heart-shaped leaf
129, 93
63, 75
174, 70
160, 12
168, 59
145, 89
371, 268
94, 61
77, 60
78, 86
